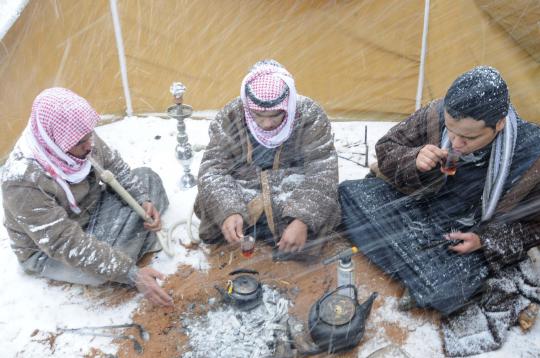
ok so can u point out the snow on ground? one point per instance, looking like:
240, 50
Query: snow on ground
29, 303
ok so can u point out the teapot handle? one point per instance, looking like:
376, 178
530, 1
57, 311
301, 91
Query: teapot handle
319, 302
243, 270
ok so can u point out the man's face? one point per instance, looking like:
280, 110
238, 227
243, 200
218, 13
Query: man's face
469, 135
268, 120
83, 147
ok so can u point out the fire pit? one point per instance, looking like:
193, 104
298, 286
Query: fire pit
233, 333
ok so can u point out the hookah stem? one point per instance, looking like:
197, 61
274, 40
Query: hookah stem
109, 179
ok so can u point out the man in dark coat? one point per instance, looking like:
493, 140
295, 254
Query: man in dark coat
270, 169
446, 237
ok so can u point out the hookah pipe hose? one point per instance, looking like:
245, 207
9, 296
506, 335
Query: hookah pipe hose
108, 178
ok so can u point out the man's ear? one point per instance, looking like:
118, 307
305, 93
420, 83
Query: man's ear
500, 124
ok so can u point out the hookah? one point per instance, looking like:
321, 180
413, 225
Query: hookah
180, 111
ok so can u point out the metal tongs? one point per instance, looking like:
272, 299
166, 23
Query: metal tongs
100, 332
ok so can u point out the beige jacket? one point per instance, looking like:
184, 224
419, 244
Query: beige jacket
38, 218
304, 185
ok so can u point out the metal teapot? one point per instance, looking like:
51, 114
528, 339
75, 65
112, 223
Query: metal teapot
337, 322
244, 291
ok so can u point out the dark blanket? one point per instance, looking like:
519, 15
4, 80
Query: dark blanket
399, 234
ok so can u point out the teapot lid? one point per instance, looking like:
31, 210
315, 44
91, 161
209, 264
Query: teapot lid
337, 310
245, 284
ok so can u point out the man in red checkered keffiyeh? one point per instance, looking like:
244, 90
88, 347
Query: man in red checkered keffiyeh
269, 87
60, 119
270, 169
62, 224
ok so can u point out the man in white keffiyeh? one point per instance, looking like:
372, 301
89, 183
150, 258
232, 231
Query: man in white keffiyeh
63, 226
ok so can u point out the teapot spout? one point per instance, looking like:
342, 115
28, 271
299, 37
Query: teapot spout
366, 306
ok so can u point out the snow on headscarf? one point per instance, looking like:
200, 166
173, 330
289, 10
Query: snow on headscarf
59, 120
268, 87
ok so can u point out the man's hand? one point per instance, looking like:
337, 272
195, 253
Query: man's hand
294, 237
233, 228
152, 213
429, 156
147, 285
470, 242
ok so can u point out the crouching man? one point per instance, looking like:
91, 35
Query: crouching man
63, 224
444, 236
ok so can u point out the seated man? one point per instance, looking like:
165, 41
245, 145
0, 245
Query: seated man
62, 223
270, 169
444, 236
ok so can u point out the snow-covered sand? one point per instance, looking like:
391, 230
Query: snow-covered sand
28, 303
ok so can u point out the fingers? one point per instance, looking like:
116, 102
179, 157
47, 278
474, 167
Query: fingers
468, 242
229, 232
294, 237
152, 213
146, 283
157, 295
239, 230
232, 228
461, 248
429, 157
286, 246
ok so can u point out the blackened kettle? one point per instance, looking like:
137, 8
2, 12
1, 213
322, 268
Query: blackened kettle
244, 291
337, 322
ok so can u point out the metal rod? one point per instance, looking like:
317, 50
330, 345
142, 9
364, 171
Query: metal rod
423, 52
121, 55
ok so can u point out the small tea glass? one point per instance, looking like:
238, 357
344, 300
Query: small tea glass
247, 245
449, 166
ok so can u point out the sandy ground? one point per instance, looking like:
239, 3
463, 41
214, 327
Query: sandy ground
191, 290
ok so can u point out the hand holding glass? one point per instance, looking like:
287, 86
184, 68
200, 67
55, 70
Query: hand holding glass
449, 166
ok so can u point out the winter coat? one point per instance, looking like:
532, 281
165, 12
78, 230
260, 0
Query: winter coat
39, 220
304, 185
503, 243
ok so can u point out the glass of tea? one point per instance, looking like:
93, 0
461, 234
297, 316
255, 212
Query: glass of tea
247, 245
449, 166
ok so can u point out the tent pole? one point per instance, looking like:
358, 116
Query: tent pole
121, 55
422, 57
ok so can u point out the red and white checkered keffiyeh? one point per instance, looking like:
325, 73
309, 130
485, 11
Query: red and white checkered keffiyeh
59, 120
268, 82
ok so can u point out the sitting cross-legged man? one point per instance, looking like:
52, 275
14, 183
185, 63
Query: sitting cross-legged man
457, 241
270, 170
63, 223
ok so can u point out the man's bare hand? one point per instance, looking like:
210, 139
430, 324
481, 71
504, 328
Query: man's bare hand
147, 285
429, 156
233, 228
294, 237
152, 213
469, 242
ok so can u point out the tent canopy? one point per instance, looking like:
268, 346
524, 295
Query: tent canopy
356, 58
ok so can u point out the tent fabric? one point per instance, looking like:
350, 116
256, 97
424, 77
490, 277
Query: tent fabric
356, 58
520, 19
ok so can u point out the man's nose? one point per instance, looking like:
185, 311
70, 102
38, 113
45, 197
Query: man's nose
268, 124
88, 145
457, 142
